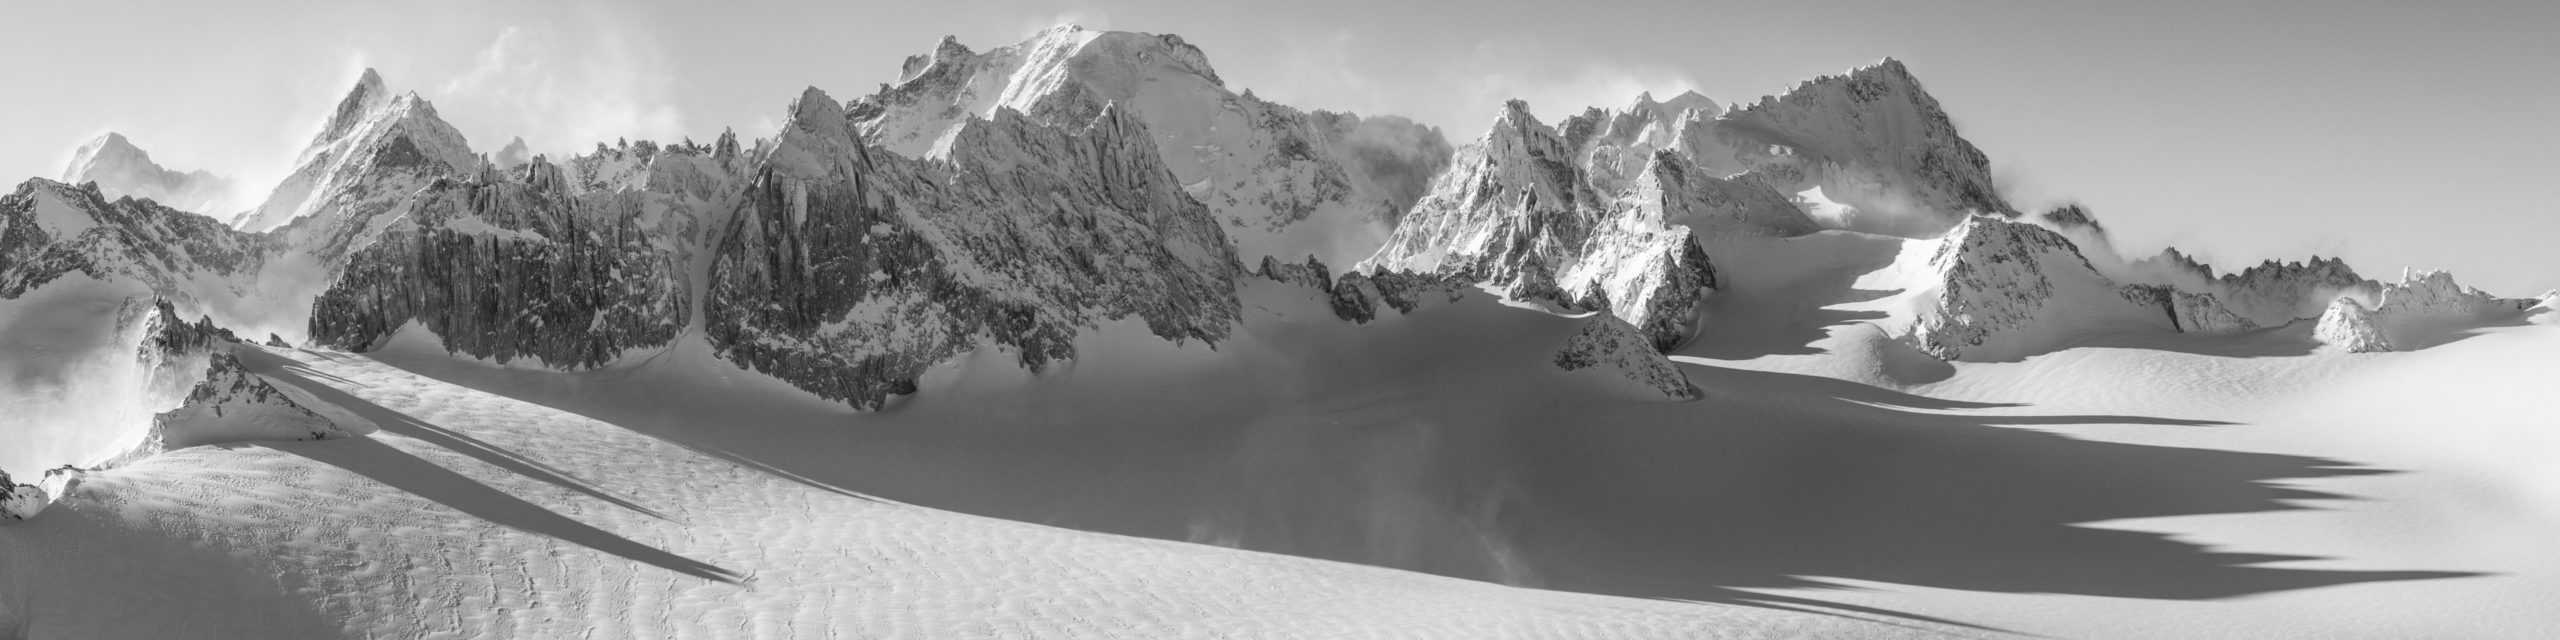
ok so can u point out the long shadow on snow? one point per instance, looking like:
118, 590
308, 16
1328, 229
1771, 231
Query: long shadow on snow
1773, 481
401, 470
1846, 488
284, 372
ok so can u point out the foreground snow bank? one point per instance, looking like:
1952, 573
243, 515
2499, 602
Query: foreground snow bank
188, 367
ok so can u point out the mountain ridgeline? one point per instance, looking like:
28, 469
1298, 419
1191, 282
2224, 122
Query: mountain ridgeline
1018, 197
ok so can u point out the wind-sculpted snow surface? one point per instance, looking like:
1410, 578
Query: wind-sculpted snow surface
850, 270
124, 170
503, 268
1281, 181
2422, 295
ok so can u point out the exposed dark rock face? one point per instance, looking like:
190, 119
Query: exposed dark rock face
192, 367
1872, 139
1356, 296
278, 342
503, 269
2271, 293
19, 501
1609, 345
1516, 211
848, 270
49, 229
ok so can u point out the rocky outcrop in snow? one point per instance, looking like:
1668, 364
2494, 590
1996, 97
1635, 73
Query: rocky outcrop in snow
1998, 289
1358, 296
2347, 325
216, 398
2408, 311
511, 266
1609, 346
2190, 312
1282, 182
2423, 295
20, 501
124, 170
849, 270
2271, 293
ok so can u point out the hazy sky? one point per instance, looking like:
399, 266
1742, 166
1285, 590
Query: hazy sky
2394, 134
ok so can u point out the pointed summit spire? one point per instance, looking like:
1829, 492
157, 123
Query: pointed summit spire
368, 95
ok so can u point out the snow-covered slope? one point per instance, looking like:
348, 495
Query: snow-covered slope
2424, 308
122, 169
1892, 406
1281, 181
1871, 139
375, 150
1993, 289
213, 398
49, 229
478, 515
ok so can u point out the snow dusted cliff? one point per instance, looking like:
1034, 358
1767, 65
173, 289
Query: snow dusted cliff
502, 269
50, 229
221, 400
2270, 293
2350, 327
1516, 211
375, 150
122, 169
1995, 289
1871, 139
20, 501
2418, 310
850, 269
1281, 181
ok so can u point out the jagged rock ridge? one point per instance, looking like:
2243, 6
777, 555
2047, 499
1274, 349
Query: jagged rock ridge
849, 270
504, 269
49, 229
1281, 181
1515, 211
124, 170
376, 150
1872, 139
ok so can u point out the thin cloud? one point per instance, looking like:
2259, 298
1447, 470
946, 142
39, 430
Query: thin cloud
564, 90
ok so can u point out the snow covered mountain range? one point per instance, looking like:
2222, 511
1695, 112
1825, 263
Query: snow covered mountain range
1076, 196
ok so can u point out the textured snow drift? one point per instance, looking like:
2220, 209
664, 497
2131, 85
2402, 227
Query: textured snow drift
978, 356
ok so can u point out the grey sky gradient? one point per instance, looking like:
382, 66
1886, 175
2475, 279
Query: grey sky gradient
2393, 134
